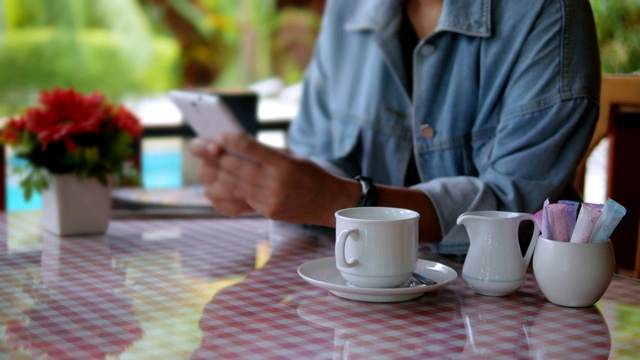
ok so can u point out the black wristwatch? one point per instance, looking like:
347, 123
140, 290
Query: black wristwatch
369, 195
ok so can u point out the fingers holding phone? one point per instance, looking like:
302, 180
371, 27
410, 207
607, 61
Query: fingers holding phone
206, 113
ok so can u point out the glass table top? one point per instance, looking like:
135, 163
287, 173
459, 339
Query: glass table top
208, 288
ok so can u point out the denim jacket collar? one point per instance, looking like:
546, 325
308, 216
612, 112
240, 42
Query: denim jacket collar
468, 17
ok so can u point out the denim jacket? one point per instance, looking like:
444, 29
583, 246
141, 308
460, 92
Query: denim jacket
505, 100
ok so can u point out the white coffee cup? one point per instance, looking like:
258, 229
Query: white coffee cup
572, 274
376, 247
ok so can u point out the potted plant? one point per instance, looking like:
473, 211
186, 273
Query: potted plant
76, 147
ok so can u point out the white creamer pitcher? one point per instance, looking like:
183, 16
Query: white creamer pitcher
494, 264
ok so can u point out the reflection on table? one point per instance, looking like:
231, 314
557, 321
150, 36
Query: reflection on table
206, 288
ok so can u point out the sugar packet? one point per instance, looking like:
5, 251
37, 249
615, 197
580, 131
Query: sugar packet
587, 218
610, 217
571, 221
562, 216
545, 224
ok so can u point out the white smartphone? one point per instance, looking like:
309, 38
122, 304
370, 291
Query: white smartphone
205, 113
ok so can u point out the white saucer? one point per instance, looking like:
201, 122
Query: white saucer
323, 273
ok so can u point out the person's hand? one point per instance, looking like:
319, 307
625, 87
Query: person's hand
240, 174
217, 185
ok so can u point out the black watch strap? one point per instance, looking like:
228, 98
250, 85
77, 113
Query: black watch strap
369, 195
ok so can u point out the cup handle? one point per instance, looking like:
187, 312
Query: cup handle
534, 239
340, 245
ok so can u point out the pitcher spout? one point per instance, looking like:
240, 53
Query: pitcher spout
462, 219
467, 218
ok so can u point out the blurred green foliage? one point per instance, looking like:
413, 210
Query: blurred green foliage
36, 59
224, 43
130, 48
618, 24
294, 35
250, 59
141, 47
105, 45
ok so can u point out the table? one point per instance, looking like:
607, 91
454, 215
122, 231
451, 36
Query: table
218, 288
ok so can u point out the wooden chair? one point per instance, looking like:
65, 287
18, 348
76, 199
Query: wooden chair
619, 121
616, 90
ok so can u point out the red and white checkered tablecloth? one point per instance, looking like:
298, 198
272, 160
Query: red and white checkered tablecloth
221, 288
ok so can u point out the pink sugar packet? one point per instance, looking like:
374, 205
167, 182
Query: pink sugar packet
572, 213
563, 218
597, 207
537, 217
585, 223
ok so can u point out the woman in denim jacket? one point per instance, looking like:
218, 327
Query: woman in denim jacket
449, 106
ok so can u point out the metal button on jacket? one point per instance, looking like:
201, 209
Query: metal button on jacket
426, 131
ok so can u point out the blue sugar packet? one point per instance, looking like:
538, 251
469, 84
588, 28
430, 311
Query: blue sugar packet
546, 226
610, 217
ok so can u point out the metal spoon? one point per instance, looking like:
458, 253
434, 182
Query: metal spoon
423, 279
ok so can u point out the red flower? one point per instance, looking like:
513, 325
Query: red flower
12, 130
73, 133
126, 121
65, 113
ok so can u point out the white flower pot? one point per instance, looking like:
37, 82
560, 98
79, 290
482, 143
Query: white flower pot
72, 206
